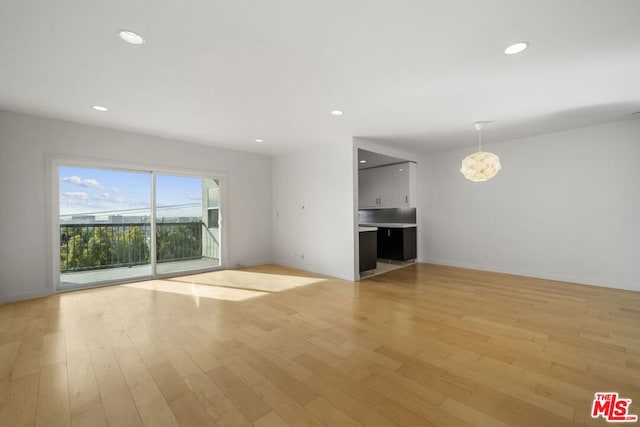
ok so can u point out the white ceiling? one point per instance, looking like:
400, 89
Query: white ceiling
417, 73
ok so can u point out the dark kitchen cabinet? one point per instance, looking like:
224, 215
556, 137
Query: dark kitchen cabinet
398, 244
368, 250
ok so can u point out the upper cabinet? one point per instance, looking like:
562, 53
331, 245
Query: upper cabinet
403, 182
374, 187
391, 186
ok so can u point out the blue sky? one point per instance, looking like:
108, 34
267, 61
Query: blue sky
106, 192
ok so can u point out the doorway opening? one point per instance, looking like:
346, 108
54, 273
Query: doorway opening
387, 215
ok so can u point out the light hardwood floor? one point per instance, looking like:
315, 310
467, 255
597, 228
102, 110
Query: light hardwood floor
270, 346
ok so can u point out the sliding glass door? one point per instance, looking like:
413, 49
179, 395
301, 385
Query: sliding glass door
187, 223
104, 225
116, 226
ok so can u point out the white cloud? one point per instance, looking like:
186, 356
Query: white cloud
75, 202
72, 179
91, 183
106, 197
76, 180
80, 195
106, 200
115, 190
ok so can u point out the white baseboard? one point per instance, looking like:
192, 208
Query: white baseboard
311, 269
537, 274
251, 262
5, 299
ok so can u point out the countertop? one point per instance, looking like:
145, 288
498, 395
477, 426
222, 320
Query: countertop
362, 229
387, 225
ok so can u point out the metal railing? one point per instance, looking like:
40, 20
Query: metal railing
210, 245
98, 246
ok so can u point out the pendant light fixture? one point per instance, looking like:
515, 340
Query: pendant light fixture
480, 166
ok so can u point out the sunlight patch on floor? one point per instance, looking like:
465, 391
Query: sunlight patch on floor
228, 285
263, 282
198, 291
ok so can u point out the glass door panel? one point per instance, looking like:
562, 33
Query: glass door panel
187, 223
104, 225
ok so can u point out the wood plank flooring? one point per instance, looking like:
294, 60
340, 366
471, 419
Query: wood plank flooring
270, 346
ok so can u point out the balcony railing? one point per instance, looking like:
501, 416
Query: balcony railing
98, 246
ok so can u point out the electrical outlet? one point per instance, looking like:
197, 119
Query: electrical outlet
302, 256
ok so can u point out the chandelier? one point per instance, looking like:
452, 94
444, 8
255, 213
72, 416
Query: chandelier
480, 166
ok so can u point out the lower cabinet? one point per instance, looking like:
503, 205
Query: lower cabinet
398, 244
368, 250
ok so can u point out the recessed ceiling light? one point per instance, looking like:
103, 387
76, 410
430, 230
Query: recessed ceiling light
337, 112
516, 48
131, 37
259, 140
363, 161
100, 108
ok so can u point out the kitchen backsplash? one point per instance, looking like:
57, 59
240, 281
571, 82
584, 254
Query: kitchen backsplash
391, 215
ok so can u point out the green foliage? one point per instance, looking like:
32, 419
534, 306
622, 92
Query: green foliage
181, 241
73, 255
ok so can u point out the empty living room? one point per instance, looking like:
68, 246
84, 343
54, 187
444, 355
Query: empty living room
304, 213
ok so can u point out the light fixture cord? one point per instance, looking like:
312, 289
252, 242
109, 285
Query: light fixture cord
479, 140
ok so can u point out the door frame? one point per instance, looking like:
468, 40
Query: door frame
52, 202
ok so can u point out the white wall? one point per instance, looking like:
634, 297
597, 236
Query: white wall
565, 206
320, 179
25, 141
